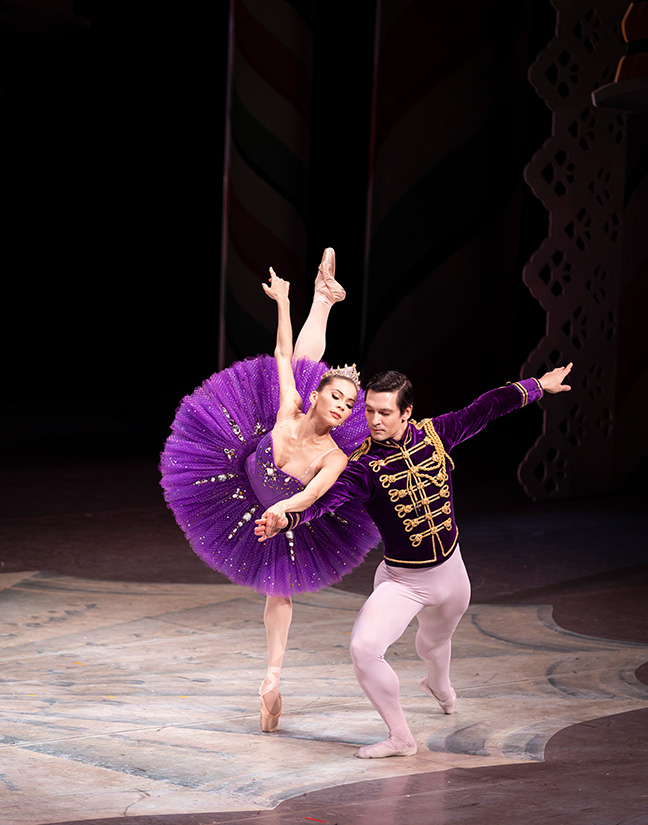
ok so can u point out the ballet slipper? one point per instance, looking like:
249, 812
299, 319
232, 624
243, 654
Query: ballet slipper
270, 721
327, 289
447, 705
388, 747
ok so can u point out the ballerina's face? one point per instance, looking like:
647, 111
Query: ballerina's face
335, 401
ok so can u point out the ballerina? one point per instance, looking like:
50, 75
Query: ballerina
257, 433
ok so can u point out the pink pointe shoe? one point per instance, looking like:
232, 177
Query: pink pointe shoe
327, 288
270, 721
447, 705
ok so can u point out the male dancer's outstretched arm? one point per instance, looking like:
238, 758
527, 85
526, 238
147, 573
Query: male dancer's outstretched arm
353, 484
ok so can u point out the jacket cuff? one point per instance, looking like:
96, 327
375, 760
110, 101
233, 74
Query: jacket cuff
530, 389
293, 520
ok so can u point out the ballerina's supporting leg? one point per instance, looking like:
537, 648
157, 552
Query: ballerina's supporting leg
277, 617
311, 341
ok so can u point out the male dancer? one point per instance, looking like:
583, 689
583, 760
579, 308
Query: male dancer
401, 474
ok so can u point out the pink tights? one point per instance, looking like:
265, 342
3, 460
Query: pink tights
438, 597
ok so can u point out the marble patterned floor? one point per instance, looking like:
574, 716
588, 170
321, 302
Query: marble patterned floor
123, 699
128, 671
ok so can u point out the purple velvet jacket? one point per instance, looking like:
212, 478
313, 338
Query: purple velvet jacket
406, 486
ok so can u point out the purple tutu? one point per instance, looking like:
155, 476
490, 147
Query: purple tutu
218, 476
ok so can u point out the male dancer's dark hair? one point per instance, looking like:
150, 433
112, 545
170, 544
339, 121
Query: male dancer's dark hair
391, 381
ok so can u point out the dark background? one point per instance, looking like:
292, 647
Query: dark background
111, 127
113, 132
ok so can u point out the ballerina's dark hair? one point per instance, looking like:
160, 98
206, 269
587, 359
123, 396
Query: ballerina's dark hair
391, 381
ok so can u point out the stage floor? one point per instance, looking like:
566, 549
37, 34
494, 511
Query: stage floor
130, 672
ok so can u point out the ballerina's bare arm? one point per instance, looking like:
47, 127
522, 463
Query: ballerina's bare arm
332, 466
290, 400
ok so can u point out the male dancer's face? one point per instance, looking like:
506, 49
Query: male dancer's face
384, 419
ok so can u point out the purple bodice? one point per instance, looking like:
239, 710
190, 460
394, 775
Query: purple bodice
269, 483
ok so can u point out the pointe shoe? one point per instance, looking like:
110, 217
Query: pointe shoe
447, 706
327, 288
270, 721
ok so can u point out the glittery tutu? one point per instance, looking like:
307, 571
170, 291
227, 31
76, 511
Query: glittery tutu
217, 467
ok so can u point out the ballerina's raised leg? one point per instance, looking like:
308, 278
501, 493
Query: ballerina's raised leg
311, 343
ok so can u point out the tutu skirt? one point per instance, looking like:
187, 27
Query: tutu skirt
218, 476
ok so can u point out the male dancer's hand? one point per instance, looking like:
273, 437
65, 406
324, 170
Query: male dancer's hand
553, 381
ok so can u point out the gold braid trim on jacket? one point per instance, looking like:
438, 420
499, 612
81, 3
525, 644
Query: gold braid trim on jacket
363, 449
433, 437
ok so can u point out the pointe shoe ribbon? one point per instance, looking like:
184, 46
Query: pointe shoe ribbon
270, 721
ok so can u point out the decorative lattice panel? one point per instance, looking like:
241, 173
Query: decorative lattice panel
579, 176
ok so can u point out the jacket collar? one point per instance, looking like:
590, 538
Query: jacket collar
392, 443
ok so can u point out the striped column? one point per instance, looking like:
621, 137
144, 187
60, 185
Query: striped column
266, 167
443, 207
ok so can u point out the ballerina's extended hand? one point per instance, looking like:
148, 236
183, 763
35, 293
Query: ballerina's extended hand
278, 288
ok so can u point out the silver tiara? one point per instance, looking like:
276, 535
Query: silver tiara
348, 372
